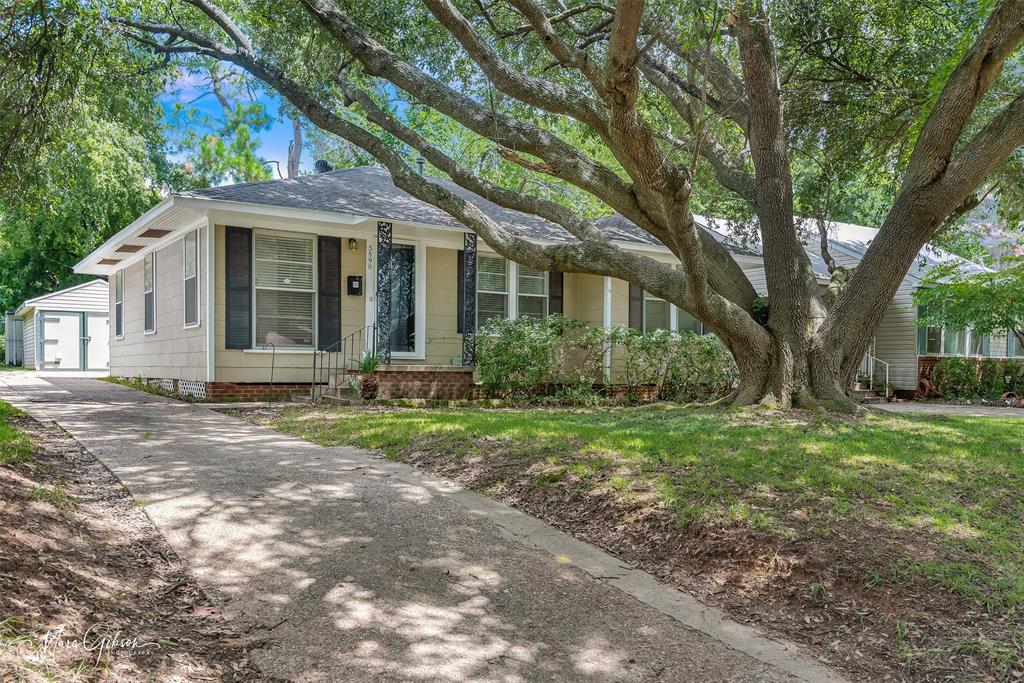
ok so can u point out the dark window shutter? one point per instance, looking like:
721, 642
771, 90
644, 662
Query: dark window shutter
555, 280
461, 295
328, 290
636, 307
238, 288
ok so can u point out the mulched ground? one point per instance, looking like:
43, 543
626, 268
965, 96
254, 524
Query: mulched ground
90, 590
811, 590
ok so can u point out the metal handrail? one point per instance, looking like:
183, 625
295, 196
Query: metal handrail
335, 360
871, 360
273, 357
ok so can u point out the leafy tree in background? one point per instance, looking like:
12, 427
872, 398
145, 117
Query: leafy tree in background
990, 302
661, 98
102, 183
223, 148
81, 140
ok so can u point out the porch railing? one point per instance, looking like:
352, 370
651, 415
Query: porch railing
336, 364
875, 370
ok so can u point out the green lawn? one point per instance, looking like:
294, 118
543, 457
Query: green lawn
14, 446
949, 490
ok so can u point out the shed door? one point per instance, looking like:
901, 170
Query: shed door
97, 341
62, 341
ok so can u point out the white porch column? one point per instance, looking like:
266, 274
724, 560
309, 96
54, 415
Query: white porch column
607, 327
211, 351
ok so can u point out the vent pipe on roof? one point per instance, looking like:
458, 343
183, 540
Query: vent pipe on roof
323, 166
420, 161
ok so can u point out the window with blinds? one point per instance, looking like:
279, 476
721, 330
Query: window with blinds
687, 323
119, 303
532, 290
191, 248
149, 292
657, 314
284, 285
944, 341
491, 289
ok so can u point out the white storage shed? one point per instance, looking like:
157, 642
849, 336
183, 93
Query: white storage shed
67, 330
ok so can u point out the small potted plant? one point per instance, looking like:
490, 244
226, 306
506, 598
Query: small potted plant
368, 385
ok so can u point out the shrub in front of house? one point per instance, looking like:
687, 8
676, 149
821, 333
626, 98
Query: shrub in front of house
969, 378
532, 358
699, 368
682, 367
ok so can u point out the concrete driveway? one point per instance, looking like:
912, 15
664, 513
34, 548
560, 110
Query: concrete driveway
356, 568
950, 409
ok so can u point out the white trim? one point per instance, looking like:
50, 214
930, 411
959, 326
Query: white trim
513, 290
146, 331
126, 232
369, 292
205, 204
211, 353
607, 315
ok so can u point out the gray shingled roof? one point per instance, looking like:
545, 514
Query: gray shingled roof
369, 191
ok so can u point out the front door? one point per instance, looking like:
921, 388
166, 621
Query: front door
62, 341
97, 341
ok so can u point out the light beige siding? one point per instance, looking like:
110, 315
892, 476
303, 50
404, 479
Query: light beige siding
588, 295
444, 343
173, 351
353, 308
254, 365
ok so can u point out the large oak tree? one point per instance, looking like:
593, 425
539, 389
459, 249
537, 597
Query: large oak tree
641, 107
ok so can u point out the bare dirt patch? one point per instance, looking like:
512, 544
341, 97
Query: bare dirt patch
89, 589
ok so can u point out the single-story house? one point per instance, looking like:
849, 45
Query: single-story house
221, 292
64, 330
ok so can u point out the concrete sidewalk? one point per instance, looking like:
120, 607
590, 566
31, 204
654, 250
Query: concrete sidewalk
357, 568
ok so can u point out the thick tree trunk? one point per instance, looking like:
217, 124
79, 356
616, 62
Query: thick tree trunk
791, 376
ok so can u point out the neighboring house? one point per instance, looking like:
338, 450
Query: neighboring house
300, 265
64, 330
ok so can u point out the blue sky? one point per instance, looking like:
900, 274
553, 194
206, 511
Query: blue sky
274, 142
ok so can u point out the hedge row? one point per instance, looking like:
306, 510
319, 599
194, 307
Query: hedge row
967, 378
532, 358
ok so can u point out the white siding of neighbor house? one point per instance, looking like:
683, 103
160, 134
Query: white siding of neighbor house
29, 337
896, 339
757, 280
173, 350
91, 298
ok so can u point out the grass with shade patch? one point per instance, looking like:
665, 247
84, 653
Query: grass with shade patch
14, 445
919, 517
